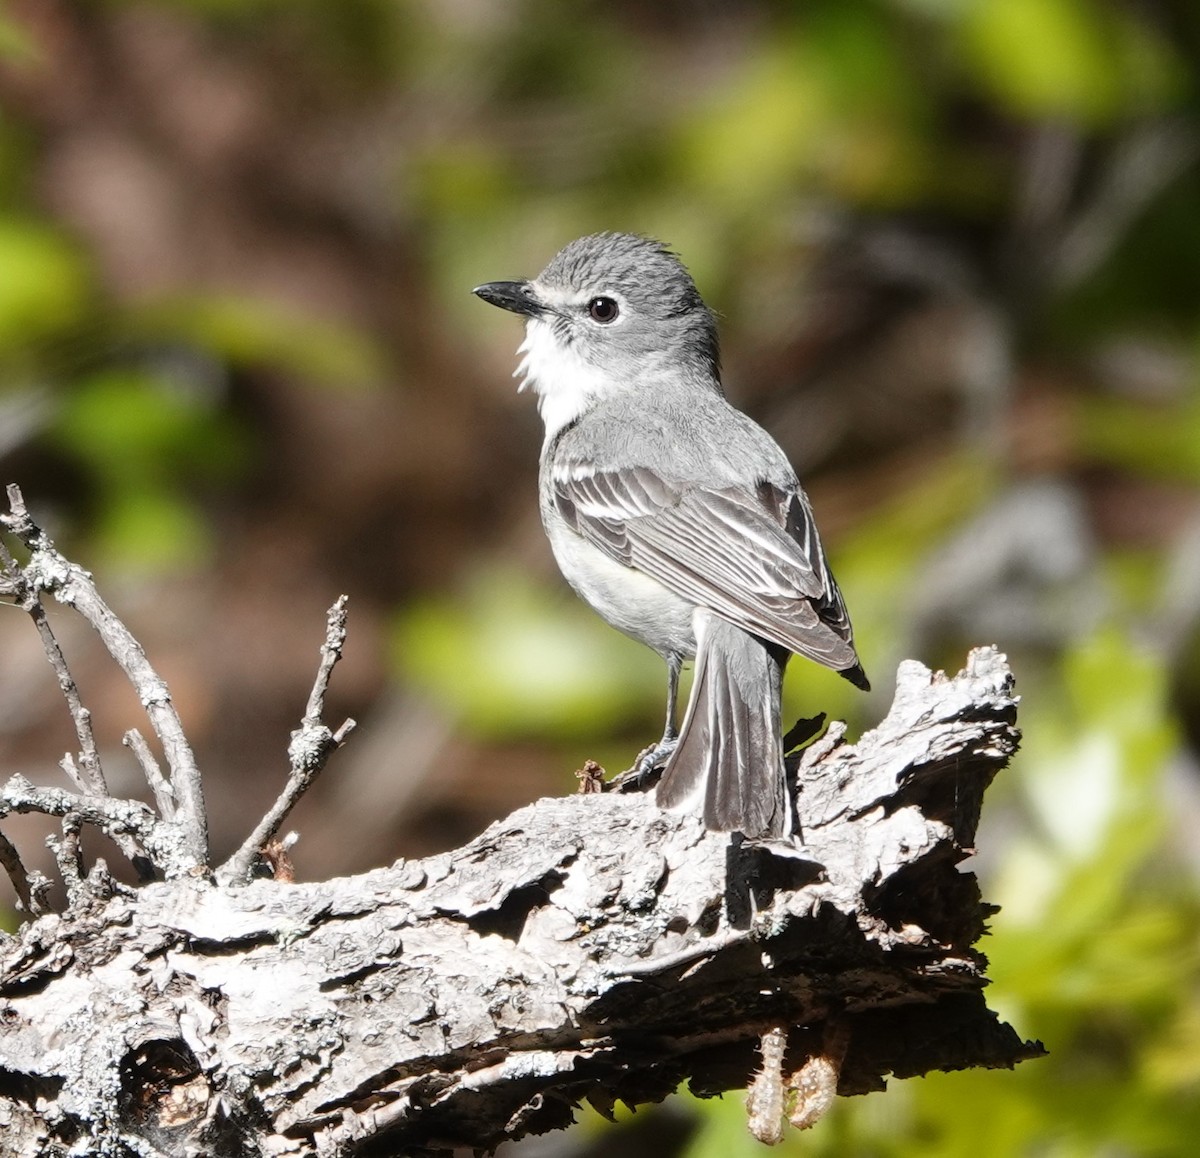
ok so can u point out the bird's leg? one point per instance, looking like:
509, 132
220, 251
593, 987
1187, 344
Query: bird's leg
657, 754
670, 737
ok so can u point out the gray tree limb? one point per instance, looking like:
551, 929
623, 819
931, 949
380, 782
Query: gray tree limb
587, 948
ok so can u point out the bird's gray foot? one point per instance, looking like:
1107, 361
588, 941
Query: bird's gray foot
649, 760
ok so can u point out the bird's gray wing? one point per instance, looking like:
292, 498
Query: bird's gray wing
751, 555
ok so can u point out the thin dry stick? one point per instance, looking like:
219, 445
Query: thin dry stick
164, 794
107, 813
92, 778
68, 765
309, 750
11, 860
39, 893
68, 854
48, 570
118, 819
87, 774
89, 756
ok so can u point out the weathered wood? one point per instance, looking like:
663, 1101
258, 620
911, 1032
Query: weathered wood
589, 947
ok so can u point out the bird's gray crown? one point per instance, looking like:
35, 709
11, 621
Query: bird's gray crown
643, 270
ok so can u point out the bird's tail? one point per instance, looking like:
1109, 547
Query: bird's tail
729, 759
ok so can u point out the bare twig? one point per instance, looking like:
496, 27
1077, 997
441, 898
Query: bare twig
13, 865
91, 779
331, 652
68, 854
13, 580
126, 843
68, 765
70, 584
164, 794
26, 596
39, 893
311, 745
89, 758
119, 819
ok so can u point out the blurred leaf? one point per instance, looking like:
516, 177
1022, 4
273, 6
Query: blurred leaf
1151, 277
822, 102
454, 177
723, 1127
143, 530
133, 427
16, 45
144, 441
1082, 61
877, 563
1088, 766
1173, 1062
1156, 441
249, 331
757, 135
43, 283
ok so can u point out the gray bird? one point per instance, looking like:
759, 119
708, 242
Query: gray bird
675, 516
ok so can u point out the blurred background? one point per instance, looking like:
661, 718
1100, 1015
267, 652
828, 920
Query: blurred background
955, 245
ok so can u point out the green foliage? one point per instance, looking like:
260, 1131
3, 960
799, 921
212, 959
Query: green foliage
512, 659
145, 419
143, 438
247, 332
826, 102
16, 45
1070, 59
1156, 441
44, 286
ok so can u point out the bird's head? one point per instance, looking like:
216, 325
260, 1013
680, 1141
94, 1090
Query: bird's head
611, 312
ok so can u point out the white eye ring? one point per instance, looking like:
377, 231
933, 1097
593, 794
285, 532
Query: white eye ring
603, 310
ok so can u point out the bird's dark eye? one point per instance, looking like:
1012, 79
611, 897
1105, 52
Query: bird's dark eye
603, 310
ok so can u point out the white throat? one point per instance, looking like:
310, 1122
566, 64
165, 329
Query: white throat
562, 380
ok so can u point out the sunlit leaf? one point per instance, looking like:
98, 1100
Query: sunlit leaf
151, 531
133, 426
43, 282
1067, 58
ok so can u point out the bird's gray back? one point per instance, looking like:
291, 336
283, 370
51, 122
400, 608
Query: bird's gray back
691, 438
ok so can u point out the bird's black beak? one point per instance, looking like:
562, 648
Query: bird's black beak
516, 296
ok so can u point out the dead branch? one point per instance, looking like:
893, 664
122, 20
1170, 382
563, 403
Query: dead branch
13, 865
164, 794
589, 948
70, 584
25, 595
310, 748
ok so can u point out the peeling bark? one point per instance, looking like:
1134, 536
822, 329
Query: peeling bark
590, 947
